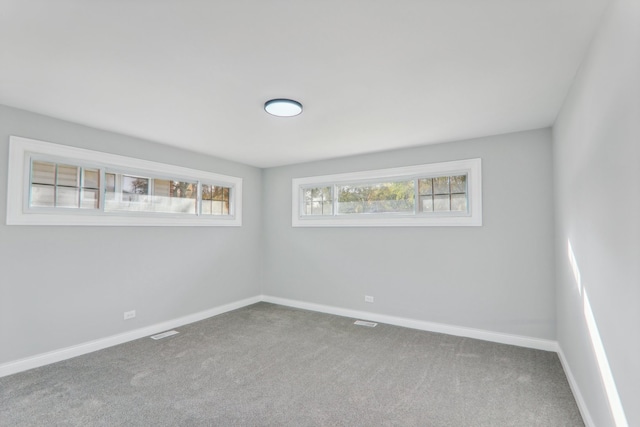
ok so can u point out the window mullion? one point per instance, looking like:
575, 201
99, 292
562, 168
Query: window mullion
416, 196
102, 192
80, 182
199, 198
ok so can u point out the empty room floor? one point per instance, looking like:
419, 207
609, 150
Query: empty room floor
269, 365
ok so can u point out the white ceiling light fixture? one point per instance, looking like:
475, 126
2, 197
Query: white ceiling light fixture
282, 107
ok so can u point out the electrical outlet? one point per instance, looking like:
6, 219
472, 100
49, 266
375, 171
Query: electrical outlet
368, 298
129, 314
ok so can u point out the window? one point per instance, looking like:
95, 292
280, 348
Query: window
65, 186
52, 184
438, 194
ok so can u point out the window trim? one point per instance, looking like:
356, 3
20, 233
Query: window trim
22, 149
471, 167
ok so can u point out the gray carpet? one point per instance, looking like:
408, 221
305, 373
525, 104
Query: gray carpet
268, 365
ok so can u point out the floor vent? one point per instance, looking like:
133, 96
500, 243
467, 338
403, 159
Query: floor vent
365, 323
163, 335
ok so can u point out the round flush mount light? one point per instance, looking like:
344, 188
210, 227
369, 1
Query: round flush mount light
283, 107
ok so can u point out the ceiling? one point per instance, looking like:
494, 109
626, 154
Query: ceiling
372, 74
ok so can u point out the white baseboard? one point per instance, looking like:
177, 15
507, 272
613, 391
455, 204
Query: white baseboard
461, 331
582, 405
99, 344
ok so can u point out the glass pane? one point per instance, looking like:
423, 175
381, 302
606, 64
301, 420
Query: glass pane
174, 196
91, 178
441, 203
206, 207
215, 200
131, 196
68, 176
327, 208
307, 194
217, 207
441, 185
110, 187
207, 192
67, 197
42, 196
162, 187
459, 202
111, 181
184, 190
317, 201
425, 186
426, 204
459, 184
89, 199
134, 188
386, 197
43, 173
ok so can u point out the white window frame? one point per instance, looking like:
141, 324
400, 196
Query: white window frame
21, 151
473, 217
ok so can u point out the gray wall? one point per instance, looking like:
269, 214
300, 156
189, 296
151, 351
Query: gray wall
596, 163
61, 286
498, 277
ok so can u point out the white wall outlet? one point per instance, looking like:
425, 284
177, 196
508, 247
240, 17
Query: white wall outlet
129, 314
368, 298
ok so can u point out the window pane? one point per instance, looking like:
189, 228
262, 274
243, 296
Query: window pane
89, 198
161, 187
217, 193
68, 176
217, 207
327, 208
207, 192
67, 197
42, 196
317, 201
459, 202
43, 173
110, 186
111, 181
426, 204
387, 197
441, 185
174, 196
441, 203
459, 184
132, 185
449, 194
206, 207
425, 186
127, 193
91, 178
215, 200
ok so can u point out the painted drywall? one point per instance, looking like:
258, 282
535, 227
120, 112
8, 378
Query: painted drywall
62, 286
596, 164
498, 277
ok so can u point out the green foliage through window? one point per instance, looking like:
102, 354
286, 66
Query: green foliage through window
387, 197
434, 194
